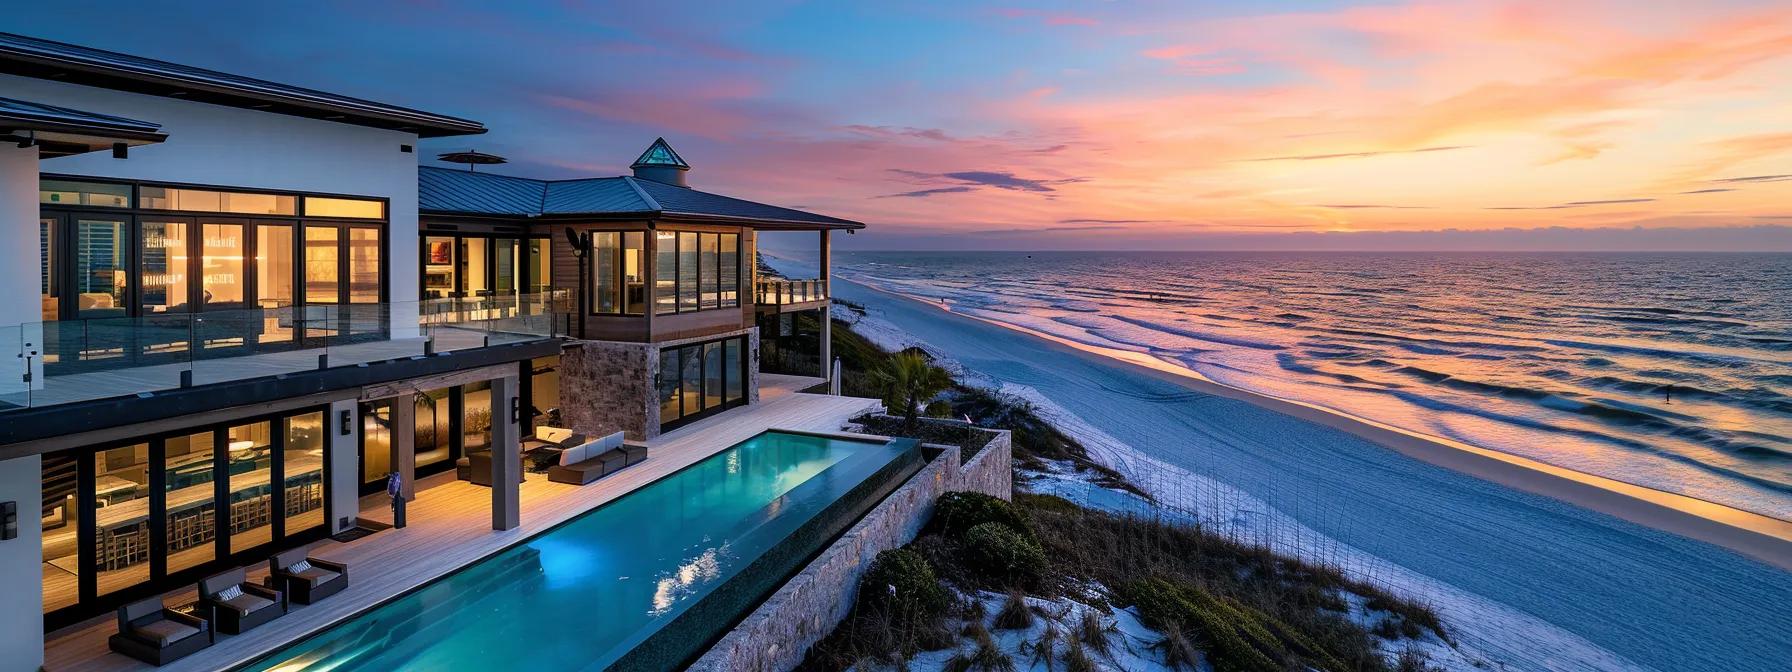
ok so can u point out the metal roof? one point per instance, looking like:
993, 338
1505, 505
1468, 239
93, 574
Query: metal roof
445, 191
598, 195
60, 131
35, 57
687, 201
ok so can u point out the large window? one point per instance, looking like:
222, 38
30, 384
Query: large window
322, 270
440, 267
302, 473
696, 271
697, 380
202, 200
100, 258
127, 521
102, 269
363, 265
121, 524
249, 456
318, 206
69, 192
163, 248
222, 278
665, 272
617, 267
434, 437
498, 275
273, 281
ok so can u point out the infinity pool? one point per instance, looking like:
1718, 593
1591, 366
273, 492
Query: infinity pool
583, 594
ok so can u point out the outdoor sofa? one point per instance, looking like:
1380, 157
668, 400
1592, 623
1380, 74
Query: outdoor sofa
596, 459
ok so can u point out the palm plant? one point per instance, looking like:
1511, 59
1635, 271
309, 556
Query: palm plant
908, 382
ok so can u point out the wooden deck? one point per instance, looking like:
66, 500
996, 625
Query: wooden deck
450, 527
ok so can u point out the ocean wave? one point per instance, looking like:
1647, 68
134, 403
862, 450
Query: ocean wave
1200, 335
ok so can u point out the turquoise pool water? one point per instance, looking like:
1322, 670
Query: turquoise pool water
579, 596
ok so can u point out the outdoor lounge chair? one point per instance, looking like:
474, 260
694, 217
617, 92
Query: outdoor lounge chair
237, 605
476, 468
304, 579
157, 635
586, 463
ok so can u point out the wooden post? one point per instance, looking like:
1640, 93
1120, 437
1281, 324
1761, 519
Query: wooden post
507, 468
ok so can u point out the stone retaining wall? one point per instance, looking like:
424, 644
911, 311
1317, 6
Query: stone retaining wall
775, 636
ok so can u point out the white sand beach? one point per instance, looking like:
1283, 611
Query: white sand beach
1539, 567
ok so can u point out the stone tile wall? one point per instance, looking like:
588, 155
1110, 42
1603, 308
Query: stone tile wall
777, 634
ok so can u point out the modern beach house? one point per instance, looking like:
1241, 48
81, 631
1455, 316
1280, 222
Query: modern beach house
255, 307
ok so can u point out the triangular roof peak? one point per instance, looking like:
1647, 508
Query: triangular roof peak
660, 154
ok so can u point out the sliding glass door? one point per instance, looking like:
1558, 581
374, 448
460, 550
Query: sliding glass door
125, 521
699, 380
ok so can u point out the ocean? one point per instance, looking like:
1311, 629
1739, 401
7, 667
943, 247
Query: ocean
1671, 371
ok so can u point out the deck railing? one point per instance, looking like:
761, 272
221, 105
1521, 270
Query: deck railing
75, 360
781, 292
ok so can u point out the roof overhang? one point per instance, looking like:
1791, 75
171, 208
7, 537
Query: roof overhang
649, 216
59, 131
44, 59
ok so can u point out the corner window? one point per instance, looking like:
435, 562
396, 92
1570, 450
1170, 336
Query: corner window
696, 271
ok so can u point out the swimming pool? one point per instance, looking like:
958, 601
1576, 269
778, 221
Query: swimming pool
584, 594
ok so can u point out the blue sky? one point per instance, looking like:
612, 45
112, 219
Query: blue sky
1083, 125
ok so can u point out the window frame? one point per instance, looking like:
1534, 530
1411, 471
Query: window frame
90, 601
713, 272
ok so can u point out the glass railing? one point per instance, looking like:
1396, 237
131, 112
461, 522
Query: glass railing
77, 360
780, 292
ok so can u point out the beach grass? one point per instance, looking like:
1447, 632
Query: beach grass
1210, 595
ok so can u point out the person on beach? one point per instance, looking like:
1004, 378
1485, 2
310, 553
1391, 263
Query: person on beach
395, 489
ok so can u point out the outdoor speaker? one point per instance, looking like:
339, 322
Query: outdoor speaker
9, 521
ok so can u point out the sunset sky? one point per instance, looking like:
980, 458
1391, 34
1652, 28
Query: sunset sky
1082, 125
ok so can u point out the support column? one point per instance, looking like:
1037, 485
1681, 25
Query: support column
344, 476
824, 273
507, 470
21, 565
404, 443
21, 310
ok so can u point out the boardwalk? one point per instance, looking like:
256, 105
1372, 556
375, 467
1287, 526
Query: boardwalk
450, 526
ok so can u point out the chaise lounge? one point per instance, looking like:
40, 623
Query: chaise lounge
156, 635
306, 580
588, 462
237, 605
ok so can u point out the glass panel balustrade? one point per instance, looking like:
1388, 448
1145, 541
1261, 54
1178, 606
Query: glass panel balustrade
118, 356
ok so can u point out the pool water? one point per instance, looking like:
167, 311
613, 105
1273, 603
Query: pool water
579, 596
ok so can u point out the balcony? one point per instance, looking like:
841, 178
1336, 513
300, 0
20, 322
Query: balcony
80, 360
790, 295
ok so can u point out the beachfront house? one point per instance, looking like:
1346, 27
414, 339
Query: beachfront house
254, 307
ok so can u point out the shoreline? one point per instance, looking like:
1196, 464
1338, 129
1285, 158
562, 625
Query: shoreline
1763, 538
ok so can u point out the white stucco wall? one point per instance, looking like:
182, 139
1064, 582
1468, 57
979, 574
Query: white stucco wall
21, 572
19, 305
231, 147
